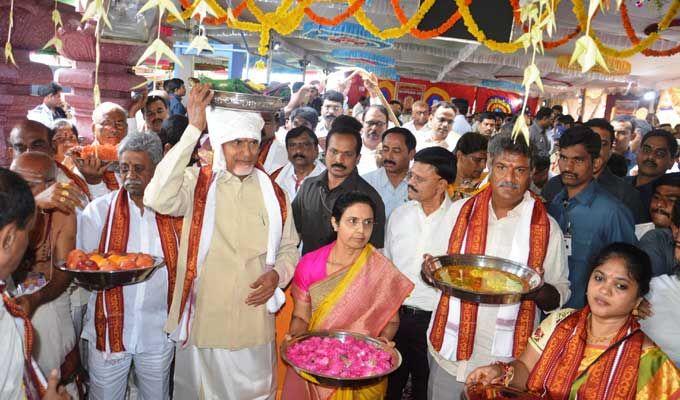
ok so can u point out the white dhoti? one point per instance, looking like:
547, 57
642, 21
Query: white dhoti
109, 377
55, 336
219, 374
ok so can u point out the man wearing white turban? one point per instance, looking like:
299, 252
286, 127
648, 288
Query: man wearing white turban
238, 246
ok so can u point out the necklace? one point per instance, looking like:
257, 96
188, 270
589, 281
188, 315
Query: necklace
597, 339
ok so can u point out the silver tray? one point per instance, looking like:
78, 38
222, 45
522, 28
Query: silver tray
327, 380
534, 280
249, 102
102, 280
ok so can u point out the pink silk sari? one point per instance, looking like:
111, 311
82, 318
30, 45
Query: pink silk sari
372, 291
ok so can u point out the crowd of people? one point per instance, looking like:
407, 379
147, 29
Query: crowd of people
321, 217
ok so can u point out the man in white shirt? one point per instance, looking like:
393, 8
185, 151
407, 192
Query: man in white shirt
303, 151
135, 334
398, 149
374, 122
420, 113
465, 335
460, 124
50, 109
421, 226
331, 108
440, 124
110, 126
154, 108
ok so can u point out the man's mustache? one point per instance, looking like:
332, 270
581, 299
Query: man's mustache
509, 184
389, 162
296, 156
410, 187
338, 166
650, 163
661, 211
128, 182
329, 116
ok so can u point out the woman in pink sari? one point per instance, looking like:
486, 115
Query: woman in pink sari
346, 285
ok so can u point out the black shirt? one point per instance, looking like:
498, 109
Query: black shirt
314, 203
618, 187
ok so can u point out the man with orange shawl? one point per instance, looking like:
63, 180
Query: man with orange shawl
346, 285
124, 325
238, 246
503, 220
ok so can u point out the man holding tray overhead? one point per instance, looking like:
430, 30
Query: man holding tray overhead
506, 221
124, 325
238, 245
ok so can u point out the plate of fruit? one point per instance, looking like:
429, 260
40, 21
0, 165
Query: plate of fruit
97, 271
340, 358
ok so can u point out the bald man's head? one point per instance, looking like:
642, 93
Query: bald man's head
38, 169
30, 136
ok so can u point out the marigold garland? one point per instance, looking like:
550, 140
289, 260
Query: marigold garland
428, 34
616, 66
471, 25
579, 11
632, 36
351, 9
396, 32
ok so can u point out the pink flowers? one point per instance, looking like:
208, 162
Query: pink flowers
347, 358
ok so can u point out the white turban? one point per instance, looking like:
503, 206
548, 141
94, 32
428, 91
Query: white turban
227, 125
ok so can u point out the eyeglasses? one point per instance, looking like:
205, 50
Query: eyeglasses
418, 179
371, 124
355, 222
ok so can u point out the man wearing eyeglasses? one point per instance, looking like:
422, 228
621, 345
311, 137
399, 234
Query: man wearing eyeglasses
41, 288
303, 151
658, 152
590, 217
440, 127
375, 119
422, 225
120, 222
314, 202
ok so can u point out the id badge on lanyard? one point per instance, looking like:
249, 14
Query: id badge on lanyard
567, 234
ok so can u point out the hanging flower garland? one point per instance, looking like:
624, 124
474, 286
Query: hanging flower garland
428, 34
579, 11
630, 31
479, 35
396, 32
351, 9
616, 66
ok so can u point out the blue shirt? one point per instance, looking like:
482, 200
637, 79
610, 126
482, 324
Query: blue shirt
594, 218
391, 196
176, 106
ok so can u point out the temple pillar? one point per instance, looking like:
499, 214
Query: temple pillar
116, 78
32, 29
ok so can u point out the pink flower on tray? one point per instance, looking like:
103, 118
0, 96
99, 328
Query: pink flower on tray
342, 358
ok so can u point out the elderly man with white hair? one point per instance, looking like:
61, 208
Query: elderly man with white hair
238, 247
124, 325
109, 125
